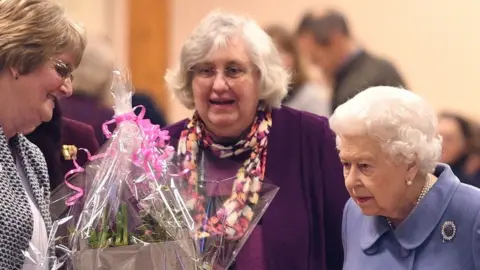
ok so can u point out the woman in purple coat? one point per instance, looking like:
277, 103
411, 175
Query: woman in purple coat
232, 76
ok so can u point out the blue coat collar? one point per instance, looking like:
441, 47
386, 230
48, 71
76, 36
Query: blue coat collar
424, 218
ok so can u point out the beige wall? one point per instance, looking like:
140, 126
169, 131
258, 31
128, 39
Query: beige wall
432, 42
103, 18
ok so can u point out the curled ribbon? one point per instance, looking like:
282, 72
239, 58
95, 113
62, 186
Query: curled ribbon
130, 116
154, 150
78, 169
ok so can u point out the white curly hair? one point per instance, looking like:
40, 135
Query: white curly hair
214, 32
400, 120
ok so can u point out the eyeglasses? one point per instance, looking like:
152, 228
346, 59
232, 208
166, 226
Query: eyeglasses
62, 69
231, 72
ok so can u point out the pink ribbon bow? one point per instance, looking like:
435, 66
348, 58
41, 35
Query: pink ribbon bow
153, 152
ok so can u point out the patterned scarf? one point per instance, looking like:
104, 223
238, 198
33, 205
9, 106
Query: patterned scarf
16, 227
237, 211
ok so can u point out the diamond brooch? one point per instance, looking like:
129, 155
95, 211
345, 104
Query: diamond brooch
448, 231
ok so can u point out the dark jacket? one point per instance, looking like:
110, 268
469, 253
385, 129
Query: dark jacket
360, 72
152, 112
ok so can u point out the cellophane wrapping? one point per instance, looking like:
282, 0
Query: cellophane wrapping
132, 207
123, 212
40, 257
218, 236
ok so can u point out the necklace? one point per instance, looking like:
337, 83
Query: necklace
428, 185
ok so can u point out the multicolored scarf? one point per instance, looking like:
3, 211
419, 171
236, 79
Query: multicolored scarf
237, 211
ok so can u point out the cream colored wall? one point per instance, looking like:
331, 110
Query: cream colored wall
432, 42
103, 18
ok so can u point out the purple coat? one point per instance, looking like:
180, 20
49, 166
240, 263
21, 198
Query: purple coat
51, 136
302, 227
87, 110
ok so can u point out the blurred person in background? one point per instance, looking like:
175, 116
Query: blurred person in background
152, 111
459, 145
472, 166
303, 27
302, 42
231, 74
39, 48
93, 77
59, 139
91, 102
350, 68
303, 94
407, 210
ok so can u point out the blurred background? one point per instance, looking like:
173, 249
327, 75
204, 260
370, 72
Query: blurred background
433, 45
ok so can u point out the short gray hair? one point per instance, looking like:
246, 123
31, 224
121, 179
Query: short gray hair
213, 33
401, 121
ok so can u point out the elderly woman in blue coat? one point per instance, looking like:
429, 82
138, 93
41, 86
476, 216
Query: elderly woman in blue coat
406, 211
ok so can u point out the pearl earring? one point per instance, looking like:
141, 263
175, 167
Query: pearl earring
409, 182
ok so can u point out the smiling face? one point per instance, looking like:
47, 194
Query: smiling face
33, 94
225, 90
374, 181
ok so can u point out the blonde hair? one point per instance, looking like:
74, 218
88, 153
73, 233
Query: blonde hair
214, 32
32, 31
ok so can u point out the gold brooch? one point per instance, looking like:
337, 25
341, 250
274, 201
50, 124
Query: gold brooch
69, 152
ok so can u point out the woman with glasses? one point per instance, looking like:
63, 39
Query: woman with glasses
39, 49
232, 76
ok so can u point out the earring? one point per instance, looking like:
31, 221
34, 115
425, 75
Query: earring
16, 77
409, 182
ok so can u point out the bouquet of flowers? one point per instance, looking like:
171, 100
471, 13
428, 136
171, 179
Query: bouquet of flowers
122, 209
224, 221
132, 207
